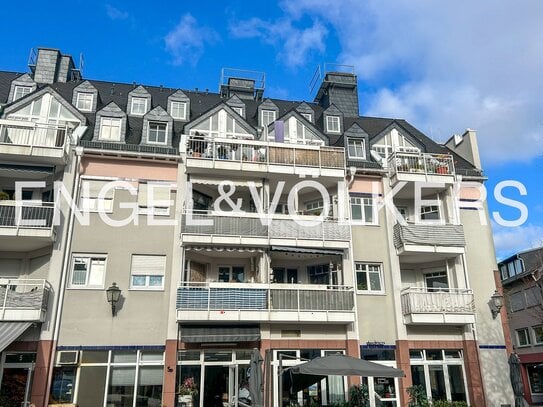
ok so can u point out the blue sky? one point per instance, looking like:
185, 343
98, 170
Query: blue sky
444, 66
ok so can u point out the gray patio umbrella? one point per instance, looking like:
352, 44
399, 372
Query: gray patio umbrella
516, 380
255, 380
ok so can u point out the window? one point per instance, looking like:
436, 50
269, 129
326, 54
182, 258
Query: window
178, 110
393, 141
332, 124
436, 281
538, 334
139, 106
429, 212
221, 124
369, 278
299, 133
85, 101
153, 198
88, 271
234, 274
535, 376
357, 149
523, 337
316, 208
363, 209
21, 91
319, 274
503, 272
147, 272
282, 275
92, 200
307, 116
110, 129
156, 133
238, 110
268, 116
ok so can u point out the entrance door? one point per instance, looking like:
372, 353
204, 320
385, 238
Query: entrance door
217, 386
15, 387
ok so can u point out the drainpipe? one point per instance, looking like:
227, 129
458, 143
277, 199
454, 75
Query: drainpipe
65, 263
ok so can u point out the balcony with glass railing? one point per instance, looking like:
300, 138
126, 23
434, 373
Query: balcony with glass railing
428, 306
23, 140
262, 156
23, 300
422, 167
206, 227
251, 302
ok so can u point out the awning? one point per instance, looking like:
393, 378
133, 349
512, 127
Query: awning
216, 334
9, 331
306, 250
342, 365
217, 181
224, 249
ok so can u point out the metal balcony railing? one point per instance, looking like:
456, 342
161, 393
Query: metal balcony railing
23, 294
235, 297
424, 300
429, 235
250, 151
26, 215
421, 163
24, 133
252, 226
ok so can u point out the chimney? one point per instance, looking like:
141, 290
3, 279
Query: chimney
48, 65
340, 89
466, 147
245, 84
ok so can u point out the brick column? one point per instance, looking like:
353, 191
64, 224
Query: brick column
39, 393
473, 373
402, 361
170, 369
352, 348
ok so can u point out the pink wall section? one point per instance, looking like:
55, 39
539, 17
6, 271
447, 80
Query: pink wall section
130, 169
365, 185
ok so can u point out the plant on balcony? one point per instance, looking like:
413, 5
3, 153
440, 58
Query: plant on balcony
4, 196
417, 396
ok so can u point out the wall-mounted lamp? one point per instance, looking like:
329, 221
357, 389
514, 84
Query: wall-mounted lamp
497, 303
113, 295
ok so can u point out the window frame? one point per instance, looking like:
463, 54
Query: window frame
138, 99
533, 328
147, 286
307, 116
329, 120
231, 276
24, 92
111, 120
184, 109
361, 141
362, 220
528, 337
89, 257
78, 100
157, 123
238, 110
366, 270
267, 111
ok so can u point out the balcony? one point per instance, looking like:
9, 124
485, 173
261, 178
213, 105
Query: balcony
209, 155
227, 302
436, 241
451, 306
29, 141
23, 300
421, 167
250, 230
26, 226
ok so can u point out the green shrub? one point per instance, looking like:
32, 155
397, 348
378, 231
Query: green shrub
359, 396
445, 403
417, 396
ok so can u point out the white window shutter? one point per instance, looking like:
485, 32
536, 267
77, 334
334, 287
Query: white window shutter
94, 188
148, 265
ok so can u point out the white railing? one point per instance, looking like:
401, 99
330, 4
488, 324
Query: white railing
24, 133
23, 294
429, 235
26, 215
250, 225
264, 297
437, 301
421, 163
262, 152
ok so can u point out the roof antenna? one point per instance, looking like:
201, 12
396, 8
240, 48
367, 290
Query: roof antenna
112, 91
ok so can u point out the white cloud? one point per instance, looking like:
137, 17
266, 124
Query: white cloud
187, 40
446, 66
294, 44
509, 241
116, 14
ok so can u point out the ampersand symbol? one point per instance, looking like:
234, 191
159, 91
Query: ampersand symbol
225, 196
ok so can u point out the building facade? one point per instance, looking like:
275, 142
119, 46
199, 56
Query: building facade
231, 221
521, 280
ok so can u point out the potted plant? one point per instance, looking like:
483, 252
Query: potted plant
197, 145
187, 391
4, 196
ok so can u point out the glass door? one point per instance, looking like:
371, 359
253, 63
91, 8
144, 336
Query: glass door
15, 388
217, 386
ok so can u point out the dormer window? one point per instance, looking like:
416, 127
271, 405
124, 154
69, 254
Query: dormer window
332, 124
157, 133
178, 110
239, 110
268, 116
21, 91
356, 149
139, 106
307, 116
110, 129
84, 101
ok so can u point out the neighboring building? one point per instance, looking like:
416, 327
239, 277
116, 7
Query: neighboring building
327, 272
522, 287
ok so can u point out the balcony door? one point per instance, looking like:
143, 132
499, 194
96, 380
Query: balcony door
436, 281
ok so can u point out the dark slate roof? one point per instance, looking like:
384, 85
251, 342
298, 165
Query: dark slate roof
203, 101
532, 260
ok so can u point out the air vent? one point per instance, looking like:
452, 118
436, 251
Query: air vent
67, 357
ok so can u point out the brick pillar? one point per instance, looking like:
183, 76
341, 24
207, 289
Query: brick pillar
402, 360
170, 369
352, 348
39, 393
473, 373
265, 345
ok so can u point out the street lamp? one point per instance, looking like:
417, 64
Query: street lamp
113, 295
497, 303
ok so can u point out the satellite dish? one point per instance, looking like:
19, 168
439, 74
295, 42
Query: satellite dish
376, 156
